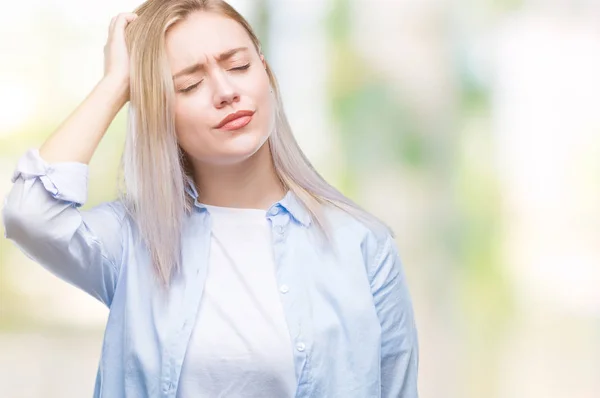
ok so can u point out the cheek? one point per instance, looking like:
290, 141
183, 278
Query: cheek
266, 104
190, 119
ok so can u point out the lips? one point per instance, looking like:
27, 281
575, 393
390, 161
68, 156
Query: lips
236, 120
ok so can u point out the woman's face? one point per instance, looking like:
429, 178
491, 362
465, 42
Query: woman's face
218, 76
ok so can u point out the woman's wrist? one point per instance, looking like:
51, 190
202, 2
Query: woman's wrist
116, 87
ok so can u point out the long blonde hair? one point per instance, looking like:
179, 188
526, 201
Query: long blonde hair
154, 166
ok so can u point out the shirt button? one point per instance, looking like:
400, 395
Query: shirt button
275, 211
284, 289
300, 347
279, 229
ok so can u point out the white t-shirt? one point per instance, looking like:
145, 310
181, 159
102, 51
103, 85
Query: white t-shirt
240, 346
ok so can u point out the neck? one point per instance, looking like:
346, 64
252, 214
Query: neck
251, 184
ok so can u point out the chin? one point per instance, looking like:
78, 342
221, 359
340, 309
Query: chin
243, 147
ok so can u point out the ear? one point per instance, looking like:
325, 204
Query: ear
262, 59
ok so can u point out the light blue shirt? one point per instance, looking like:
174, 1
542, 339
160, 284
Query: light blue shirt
349, 316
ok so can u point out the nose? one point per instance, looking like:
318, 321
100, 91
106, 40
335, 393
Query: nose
225, 93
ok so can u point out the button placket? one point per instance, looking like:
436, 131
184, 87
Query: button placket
281, 225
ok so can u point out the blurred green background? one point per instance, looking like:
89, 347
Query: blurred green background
470, 126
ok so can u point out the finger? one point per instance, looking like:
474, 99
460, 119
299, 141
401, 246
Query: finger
111, 26
131, 17
123, 20
119, 21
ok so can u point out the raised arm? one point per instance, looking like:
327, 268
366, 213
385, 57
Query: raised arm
41, 212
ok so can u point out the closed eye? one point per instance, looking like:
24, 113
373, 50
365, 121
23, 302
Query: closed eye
190, 88
244, 67
193, 86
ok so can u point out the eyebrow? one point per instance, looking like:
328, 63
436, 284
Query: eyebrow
199, 66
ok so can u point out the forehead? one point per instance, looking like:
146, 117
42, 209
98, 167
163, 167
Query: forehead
201, 36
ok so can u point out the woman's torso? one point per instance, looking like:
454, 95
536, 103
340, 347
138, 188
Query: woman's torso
326, 300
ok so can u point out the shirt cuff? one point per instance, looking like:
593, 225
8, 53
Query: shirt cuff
64, 181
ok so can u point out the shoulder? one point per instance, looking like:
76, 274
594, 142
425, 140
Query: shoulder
374, 240
340, 220
110, 216
115, 209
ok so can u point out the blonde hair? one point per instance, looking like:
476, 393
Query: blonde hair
154, 166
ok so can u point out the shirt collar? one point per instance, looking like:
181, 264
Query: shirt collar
289, 203
294, 206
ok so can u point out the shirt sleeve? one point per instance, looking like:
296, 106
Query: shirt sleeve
41, 216
399, 344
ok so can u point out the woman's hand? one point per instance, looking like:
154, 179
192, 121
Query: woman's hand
116, 55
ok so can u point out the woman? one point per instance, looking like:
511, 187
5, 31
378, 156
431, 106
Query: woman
230, 267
